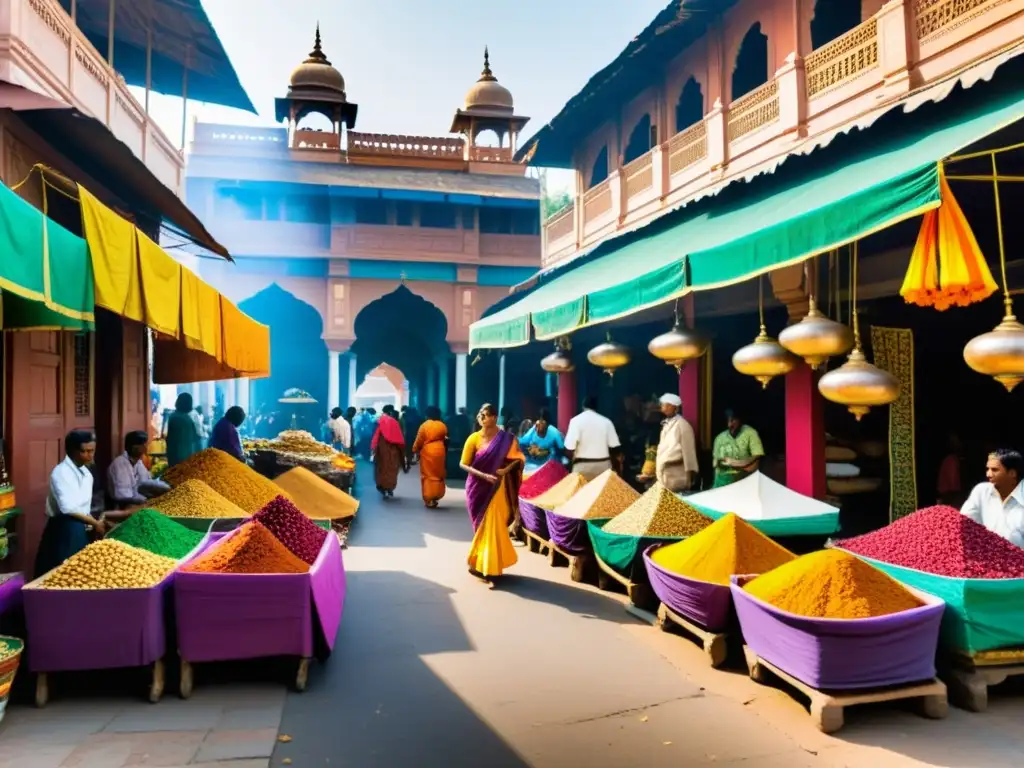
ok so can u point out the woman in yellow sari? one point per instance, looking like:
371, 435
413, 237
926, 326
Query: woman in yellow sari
432, 446
494, 463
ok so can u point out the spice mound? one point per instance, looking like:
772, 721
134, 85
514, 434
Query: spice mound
149, 530
298, 533
109, 564
229, 477
249, 549
942, 541
832, 584
659, 512
194, 498
607, 495
315, 497
728, 546
560, 492
545, 477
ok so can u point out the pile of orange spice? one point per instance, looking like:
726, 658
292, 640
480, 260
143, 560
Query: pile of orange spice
249, 549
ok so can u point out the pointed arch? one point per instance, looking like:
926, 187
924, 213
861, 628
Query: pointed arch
639, 142
599, 170
751, 68
832, 19
690, 105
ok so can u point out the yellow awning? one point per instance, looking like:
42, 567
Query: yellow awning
246, 342
161, 287
114, 255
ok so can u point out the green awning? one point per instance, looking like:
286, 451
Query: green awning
837, 195
45, 273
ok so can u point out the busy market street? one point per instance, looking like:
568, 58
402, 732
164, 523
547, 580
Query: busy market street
433, 668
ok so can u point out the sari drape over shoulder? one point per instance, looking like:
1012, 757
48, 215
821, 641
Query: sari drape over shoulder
492, 505
431, 446
389, 453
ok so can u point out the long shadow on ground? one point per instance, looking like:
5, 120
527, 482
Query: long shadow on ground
375, 703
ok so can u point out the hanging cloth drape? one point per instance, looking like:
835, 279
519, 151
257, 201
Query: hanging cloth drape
947, 268
114, 255
161, 287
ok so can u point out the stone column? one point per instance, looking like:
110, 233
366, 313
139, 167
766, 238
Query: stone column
567, 403
230, 393
333, 380
461, 381
805, 434
501, 383
431, 385
209, 397
353, 384
689, 378
443, 386
243, 395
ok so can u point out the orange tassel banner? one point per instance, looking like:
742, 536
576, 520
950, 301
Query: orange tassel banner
947, 268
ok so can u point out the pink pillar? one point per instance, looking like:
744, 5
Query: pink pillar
805, 434
689, 378
567, 403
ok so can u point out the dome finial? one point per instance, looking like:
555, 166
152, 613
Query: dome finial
487, 74
317, 54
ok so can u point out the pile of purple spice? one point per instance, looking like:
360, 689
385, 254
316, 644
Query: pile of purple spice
298, 533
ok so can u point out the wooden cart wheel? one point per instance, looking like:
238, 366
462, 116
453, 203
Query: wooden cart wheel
156, 684
186, 681
717, 650
935, 707
302, 675
827, 718
42, 689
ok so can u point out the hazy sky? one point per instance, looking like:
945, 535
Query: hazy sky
408, 63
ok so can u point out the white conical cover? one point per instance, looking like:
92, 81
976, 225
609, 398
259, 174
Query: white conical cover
758, 497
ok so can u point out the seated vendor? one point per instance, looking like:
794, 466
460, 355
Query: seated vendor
542, 442
69, 504
737, 451
128, 480
998, 504
225, 436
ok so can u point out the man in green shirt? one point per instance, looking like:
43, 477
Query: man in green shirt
737, 451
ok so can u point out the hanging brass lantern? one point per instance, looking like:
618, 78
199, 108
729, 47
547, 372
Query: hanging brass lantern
609, 356
764, 358
816, 338
678, 346
559, 361
858, 384
1000, 352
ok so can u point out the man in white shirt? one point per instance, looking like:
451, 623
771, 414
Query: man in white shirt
591, 441
999, 503
676, 464
341, 430
69, 504
128, 480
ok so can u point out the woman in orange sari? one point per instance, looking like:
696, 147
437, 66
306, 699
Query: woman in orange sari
432, 446
494, 463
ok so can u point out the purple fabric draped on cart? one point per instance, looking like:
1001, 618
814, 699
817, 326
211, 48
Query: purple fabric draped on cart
226, 616
702, 602
488, 461
94, 629
568, 534
10, 593
533, 519
843, 654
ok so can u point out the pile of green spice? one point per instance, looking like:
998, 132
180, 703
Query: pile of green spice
148, 529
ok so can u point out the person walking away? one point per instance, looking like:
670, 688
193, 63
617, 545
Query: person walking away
737, 451
128, 480
388, 449
493, 462
676, 465
998, 503
340, 431
431, 445
226, 436
69, 504
542, 443
183, 437
591, 441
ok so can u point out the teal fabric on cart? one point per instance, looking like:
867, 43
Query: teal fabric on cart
981, 614
623, 553
825, 524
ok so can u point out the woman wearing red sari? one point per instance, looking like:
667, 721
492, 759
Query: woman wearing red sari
494, 463
388, 448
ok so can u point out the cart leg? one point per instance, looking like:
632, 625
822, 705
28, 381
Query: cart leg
969, 690
716, 650
827, 718
302, 675
662, 622
603, 581
156, 684
42, 689
531, 544
187, 680
935, 707
577, 568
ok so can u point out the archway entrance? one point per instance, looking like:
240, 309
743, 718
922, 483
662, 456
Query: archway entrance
408, 333
384, 385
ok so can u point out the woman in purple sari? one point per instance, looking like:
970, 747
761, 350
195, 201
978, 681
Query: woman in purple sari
494, 463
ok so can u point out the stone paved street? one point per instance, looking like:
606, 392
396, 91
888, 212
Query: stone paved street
433, 669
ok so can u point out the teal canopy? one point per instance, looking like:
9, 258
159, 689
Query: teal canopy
811, 205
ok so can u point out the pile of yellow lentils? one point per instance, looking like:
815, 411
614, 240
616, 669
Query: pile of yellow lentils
229, 477
109, 564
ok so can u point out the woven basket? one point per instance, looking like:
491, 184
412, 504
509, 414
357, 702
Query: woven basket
10, 658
